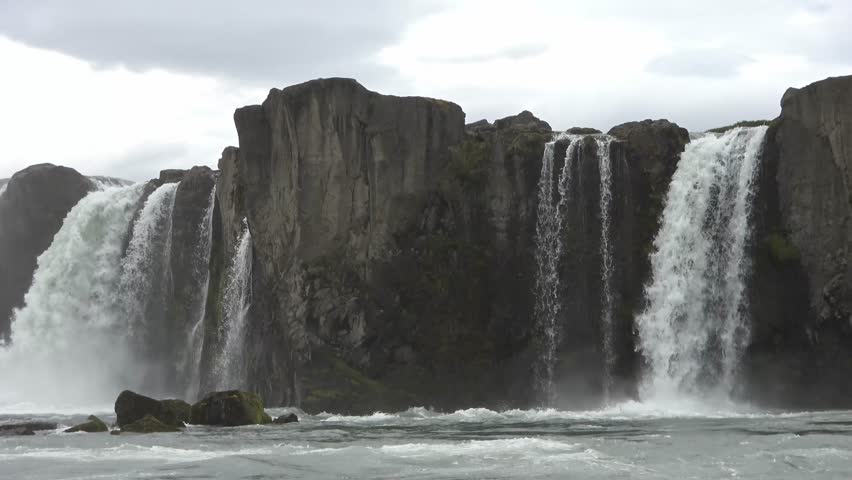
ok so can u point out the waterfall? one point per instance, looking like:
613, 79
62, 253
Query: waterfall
236, 300
605, 170
68, 342
693, 328
3, 189
549, 245
201, 272
144, 271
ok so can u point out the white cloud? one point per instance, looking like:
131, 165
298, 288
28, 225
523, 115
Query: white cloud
60, 110
120, 89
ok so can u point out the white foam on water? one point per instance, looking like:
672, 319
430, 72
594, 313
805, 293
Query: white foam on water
127, 452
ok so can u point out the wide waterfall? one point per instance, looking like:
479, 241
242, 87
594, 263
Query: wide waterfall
191, 364
68, 342
694, 327
230, 364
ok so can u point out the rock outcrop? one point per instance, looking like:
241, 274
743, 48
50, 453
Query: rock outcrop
93, 425
801, 351
32, 209
230, 409
131, 406
347, 194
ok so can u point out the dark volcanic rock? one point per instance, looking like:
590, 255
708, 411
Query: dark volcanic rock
801, 295
32, 209
289, 418
347, 192
94, 425
130, 407
28, 428
148, 424
582, 131
230, 409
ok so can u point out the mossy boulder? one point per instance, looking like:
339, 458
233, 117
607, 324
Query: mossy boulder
131, 406
93, 425
231, 408
148, 424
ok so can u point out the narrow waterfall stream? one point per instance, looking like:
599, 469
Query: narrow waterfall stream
230, 365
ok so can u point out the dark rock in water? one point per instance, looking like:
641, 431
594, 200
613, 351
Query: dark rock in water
32, 209
28, 428
289, 418
148, 424
230, 409
94, 425
130, 407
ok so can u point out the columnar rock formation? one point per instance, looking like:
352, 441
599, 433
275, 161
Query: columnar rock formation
392, 253
802, 314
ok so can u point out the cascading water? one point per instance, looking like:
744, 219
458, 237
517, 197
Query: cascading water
145, 267
605, 170
693, 329
230, 364
68, 342
201, 263
3, 189
549, 245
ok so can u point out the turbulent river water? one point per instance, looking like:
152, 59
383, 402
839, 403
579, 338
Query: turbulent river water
632, 440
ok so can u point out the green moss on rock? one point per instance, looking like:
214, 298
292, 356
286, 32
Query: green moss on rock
781, 250
230, 408
148, 424
93, 425
744, 123
469, 160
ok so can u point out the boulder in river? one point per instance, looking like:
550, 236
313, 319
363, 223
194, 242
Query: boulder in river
230, 408
131, 406
289, 418
93, 425
148, 424
28, 428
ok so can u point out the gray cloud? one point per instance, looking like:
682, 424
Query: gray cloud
518, 52
144, 161
699, 63
252, 41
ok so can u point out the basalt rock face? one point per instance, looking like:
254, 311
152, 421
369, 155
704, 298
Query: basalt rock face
392, 249
32, 209
642, 158
801, 349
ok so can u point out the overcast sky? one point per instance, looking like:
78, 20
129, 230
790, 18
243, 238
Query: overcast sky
127, 88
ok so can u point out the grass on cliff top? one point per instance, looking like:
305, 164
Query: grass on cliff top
744, 123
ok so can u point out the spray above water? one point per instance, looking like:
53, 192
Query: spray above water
68, 341
694, 328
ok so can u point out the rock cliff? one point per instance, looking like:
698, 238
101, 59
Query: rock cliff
802, 290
